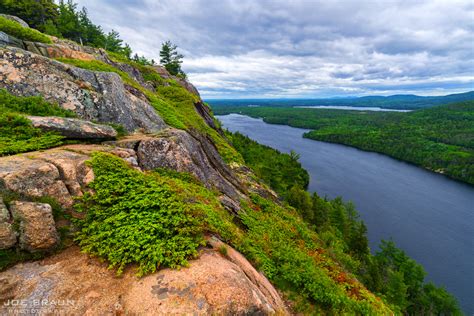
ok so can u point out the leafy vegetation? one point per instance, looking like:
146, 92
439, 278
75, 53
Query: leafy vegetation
137, 218
34, 105
17, 30
280, 171
338, 235
440, 138
65, 20
16, 132
159, 218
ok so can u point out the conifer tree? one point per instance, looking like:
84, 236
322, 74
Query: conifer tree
171, 59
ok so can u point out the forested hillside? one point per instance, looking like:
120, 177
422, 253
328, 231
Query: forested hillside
401, 102
439, 139
390, 272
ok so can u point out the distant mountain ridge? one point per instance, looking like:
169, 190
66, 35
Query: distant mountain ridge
398, 101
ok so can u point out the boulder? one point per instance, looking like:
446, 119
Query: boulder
264, 286
178, 150
7, 233
93, 96
210, 285
72, 168
15, 19
33, 178
37, 227
73, 128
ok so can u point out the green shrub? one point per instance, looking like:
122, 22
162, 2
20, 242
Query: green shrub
223, 250
27, 34
292, 256
137, 218
34, 105
17, 135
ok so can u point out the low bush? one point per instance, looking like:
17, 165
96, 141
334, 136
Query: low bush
137, 218
17, 135
34, 105
24, 33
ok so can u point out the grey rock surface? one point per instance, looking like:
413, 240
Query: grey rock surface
94, 96
73, 128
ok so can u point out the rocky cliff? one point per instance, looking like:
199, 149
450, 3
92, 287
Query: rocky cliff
168, 127
211, 284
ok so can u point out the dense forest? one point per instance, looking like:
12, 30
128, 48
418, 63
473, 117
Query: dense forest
440, 139
402, 102
390, 272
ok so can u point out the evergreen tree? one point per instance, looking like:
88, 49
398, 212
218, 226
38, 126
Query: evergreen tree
113, 42
171, 59
68, 21
36, 13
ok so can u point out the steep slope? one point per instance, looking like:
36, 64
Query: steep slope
169, 194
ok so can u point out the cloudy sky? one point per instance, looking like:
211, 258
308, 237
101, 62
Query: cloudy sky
297, 48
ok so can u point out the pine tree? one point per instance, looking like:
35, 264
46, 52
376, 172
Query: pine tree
171, 59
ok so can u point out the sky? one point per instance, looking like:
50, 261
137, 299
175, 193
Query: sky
304, 49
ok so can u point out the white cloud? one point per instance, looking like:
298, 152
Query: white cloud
247, 48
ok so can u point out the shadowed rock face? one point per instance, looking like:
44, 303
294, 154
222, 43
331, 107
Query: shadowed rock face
94, 96
181, 151
73, 128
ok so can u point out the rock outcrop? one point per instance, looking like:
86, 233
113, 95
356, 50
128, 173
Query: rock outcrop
37, 226
182, 82
73, 128
7, 233
33, 178
178, 150
94, 96
211, 285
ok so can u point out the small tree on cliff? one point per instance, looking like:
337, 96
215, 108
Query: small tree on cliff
171, 59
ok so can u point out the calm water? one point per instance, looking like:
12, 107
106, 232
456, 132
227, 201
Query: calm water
428, 215
353, 108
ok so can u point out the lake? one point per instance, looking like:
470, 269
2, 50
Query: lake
350, 108
429, 216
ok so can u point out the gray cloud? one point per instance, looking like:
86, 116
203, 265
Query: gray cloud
248, 48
